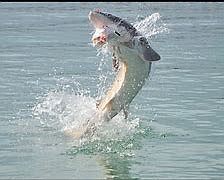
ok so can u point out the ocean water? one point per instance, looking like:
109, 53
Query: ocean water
51, 77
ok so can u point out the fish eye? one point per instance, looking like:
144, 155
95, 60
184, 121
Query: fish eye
143, 40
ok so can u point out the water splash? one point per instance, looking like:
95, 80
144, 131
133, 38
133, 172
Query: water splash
123, 146
151, 25
113, 144
63, 110
70, 108
104, 71
68, 111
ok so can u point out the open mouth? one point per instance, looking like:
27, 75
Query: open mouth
99, 40
104, 35
100, 37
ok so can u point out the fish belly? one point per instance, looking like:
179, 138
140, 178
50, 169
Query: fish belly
129, 80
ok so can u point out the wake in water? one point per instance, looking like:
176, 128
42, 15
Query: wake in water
67, 111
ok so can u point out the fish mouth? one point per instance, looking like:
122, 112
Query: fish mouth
100, 37
101, 24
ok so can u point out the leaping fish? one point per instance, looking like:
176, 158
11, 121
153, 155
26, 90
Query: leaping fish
132, 58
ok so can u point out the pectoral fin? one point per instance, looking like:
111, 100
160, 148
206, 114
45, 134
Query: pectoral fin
148, 54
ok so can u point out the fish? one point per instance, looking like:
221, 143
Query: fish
132, 58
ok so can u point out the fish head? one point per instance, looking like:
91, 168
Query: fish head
99, 19
110, 29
